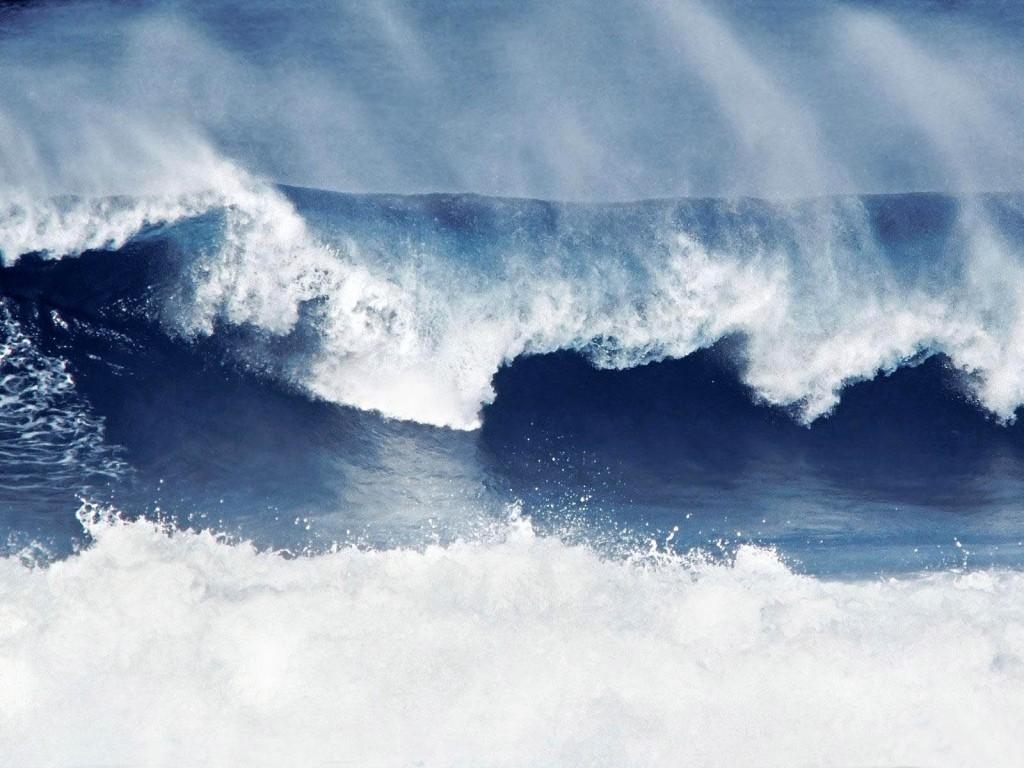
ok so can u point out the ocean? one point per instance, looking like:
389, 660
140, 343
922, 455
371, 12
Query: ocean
515, 476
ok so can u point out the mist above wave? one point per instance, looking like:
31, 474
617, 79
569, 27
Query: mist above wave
617, 101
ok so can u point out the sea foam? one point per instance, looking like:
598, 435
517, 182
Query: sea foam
160, 648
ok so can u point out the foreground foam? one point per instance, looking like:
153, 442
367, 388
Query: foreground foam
157, 649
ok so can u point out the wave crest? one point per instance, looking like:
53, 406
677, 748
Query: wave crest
417, 331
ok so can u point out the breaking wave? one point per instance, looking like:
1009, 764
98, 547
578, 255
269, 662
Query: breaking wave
410, 305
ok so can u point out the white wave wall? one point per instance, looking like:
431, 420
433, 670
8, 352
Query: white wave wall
419, 335
156, 649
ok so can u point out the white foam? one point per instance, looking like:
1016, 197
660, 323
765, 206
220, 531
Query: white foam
60, 227
109, 183
159, 649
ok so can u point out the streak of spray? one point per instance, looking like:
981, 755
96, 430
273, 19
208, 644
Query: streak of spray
979, 146
576, 100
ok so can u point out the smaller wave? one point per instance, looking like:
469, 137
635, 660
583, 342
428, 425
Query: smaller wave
150, 647
68, 226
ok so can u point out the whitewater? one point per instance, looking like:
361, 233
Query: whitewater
181, 648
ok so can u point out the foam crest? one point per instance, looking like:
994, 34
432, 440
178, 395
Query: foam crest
97, 187
69, 226
418, 333
57, 226
169, 649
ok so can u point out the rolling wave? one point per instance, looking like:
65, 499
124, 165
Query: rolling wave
713, 333
409, 306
